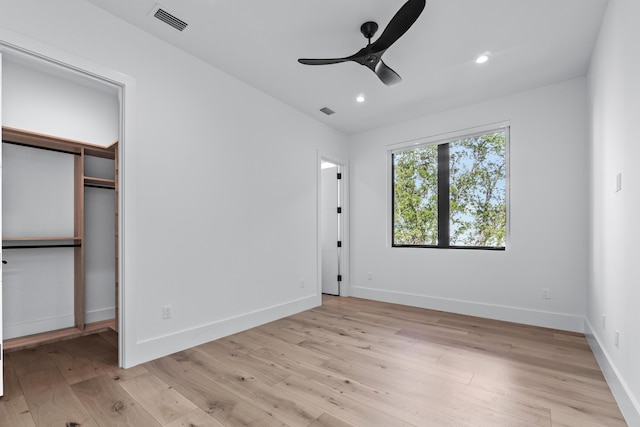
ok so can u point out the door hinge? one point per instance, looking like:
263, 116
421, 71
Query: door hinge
339, 277
339, 244
339, 175
339, 209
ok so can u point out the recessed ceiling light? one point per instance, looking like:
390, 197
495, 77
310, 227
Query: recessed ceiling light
482, 59
360, 98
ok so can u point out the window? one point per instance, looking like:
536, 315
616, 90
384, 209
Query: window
452, 194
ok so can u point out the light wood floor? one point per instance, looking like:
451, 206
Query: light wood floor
349, 362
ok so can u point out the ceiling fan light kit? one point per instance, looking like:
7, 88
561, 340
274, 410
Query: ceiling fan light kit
371, 55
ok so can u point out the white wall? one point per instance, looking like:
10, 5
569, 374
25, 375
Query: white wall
46, 100
613, 291
225, 184
99, 255
37, 201
99, 242
547, 246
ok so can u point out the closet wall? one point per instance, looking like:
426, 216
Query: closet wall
38, 195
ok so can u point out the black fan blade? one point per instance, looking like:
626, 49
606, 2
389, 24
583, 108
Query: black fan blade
399, 24
386, 74
323, 61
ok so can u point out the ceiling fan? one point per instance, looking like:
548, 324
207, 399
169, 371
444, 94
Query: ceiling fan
371, 55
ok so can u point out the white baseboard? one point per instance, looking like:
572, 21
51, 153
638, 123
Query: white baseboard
99, 315
157, 347
36, 326
546, 319
628, 404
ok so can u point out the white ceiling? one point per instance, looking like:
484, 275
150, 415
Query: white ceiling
531, 43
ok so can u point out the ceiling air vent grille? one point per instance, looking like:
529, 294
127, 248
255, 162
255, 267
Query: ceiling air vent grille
328, 111
168, 18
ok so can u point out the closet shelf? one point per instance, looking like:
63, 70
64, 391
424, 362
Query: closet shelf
40, 242
42, 239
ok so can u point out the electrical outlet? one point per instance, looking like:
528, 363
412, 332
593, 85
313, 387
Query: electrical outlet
616, 339
369, 276
618, 182
546, 293
302, 283
166, 312
604, 321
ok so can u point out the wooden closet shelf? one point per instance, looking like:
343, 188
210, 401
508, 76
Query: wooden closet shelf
40, 242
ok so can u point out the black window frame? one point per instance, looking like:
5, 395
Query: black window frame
444, 192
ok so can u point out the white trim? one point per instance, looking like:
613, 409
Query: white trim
628, 404
100, 315
545, 319
444, 138
343, 168
447, 137
18, 44
1, 326
21, 329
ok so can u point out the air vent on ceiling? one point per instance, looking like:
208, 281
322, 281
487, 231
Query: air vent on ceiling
328, 111
168, 18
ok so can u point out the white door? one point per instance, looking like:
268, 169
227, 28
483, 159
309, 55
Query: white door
330, 228
1, 342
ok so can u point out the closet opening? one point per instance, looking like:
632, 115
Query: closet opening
60, 203
60, 239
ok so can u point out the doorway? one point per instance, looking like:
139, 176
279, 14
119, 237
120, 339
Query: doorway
331, 226
74, 69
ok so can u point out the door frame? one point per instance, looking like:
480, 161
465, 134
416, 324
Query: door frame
343, 167
12, 43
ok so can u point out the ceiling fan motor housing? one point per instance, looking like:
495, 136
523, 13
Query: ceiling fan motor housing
368, 29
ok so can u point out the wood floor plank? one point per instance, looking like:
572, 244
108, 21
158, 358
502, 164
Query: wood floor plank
15, 412
110, 405
30, 360
336, 404
73, 367
327, 420
445, 397
513, 371
110, 367
257, 391
164, 403
91, 347
195, 418
577, 405
282, 346
12, 388
242, 365
36, 381
110, 337
58, 406
222, 404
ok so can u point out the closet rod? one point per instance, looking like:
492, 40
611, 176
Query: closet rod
99, 186
76, 245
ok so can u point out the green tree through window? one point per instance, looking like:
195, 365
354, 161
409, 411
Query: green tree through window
452, 194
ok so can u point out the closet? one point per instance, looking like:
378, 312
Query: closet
60, 239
